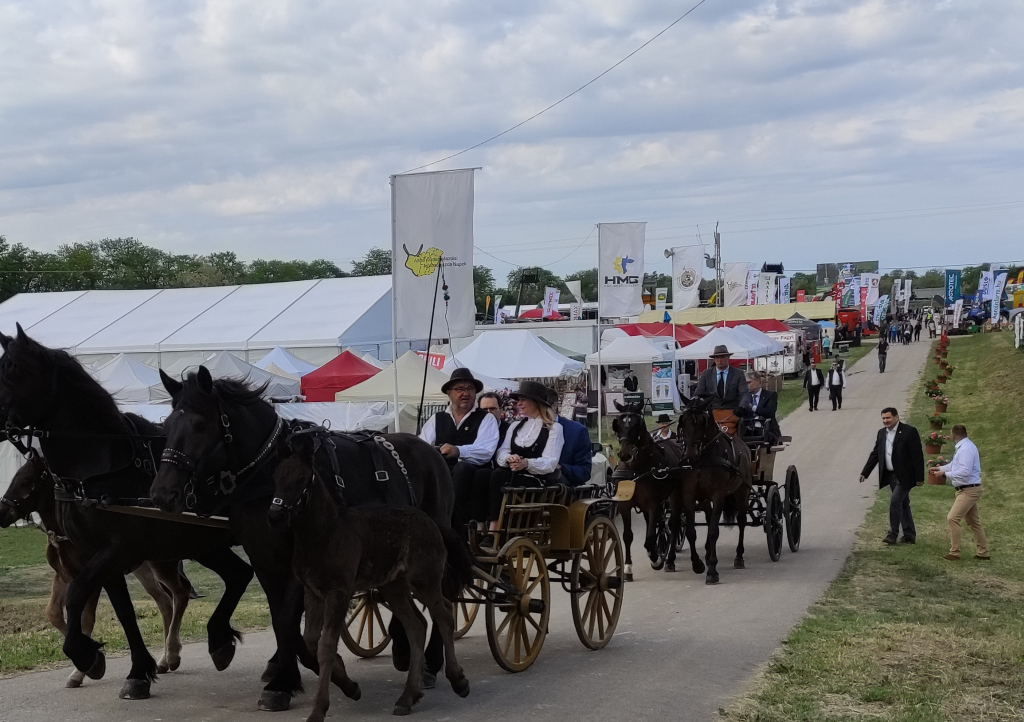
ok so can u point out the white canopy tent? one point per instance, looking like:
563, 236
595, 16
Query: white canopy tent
340, 417
513, 355
740, 344
634, 350
374, 361
227, 366
757, 336
130, 381
291, 365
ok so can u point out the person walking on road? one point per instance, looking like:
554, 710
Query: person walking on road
814, 379
917, 330
836, 384
883, 352
826, 346
900, 460
964, 472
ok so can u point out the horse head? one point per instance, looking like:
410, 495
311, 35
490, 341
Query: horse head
631, 431
696, 428
25, 492
293, 477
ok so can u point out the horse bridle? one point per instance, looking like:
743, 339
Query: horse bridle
303, 497
658, 473
706, 442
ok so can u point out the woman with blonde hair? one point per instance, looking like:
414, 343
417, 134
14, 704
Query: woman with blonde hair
528, 456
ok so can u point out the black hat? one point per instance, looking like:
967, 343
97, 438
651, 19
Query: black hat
664, 419
721, 350
462, 374
533, 390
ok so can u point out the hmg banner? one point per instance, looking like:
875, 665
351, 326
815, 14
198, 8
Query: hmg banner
620, 269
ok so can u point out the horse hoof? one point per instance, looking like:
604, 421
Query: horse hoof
223, 656
629, 576
670, 567
352, 691
698, 568
712, 579
135, 689
401, 710
461, 687
401, 661
98, 668
270, 672
162, 667
174, 664
274, 701
73, 682
429, 680
739, 564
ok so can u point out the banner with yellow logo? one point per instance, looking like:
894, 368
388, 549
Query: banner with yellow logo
620, 270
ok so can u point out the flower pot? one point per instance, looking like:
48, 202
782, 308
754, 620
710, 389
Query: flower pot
943, 353
936, 425
932, 449
935, 480
949, 371
943, 364
940, 408
941, 379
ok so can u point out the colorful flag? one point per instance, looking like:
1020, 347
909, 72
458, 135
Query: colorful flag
621, 268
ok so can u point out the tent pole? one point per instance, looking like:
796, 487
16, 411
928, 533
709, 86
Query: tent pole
600, 368
430, 339
394, 307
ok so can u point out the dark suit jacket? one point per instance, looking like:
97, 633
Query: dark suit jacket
577, 453
807, 377
907, 456
631, 383
737, 395
767, 407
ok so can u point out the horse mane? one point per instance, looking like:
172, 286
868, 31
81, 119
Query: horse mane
233, 391
75, 384
144, 425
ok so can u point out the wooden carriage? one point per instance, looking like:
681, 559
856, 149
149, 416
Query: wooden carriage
556, 533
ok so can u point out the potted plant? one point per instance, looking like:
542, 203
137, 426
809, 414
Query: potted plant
943, 363
933, 463
941, 404
934, 441
941, 379
937, 421
949, 370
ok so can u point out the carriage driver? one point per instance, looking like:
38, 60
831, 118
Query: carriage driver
466, 436
725, 384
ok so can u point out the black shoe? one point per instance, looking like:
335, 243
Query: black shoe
904, 540
889, 539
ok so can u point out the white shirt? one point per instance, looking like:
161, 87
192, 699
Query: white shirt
836, 378
964, 468
890, 437
480, 451
529, 430
814, 377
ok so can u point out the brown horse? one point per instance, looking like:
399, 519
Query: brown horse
719, 485
31, 491
339, 550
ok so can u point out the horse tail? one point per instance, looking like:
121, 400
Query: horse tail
458, 569
730, 510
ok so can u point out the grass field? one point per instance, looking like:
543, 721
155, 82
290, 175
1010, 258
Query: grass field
903, 634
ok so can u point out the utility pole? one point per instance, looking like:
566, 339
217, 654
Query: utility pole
718, 267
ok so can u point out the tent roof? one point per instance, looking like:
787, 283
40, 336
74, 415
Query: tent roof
381, 387
567, 352
343, 371
286, 362
767, 325
734, 339
685, 333
634, 350
299, 313
369, 358
781, 311
130, 381
514, 354
224, 365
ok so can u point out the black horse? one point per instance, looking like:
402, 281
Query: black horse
719, 484
221, 454
95, 455
655, 468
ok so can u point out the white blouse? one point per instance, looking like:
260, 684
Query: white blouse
529, 430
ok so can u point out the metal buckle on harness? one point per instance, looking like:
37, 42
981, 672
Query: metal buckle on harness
229, 487
383, 476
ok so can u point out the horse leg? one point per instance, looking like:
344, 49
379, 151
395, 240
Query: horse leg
86, 653
277, 694
444, 625
236, 574
143, 671
741, 520
673, 528
398, 596
160, 594
433, 656
626, 514
180, 589
690, 517
55, 615
334, 611
711, 547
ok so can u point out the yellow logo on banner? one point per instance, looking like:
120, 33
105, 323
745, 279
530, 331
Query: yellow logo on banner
422, 263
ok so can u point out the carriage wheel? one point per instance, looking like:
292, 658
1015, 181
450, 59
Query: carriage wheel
595, 584
661, 543
465, 612
793, 513
518, 606
366, 627
773, 520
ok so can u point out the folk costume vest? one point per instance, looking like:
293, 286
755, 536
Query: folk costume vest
533, 451
447, 433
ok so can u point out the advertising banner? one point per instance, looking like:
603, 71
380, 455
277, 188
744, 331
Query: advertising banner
551, 300
621, 268
906, 294
661, 386
752, 277
801, 295
736, 278
497, 308
871, 281
660, 299
854, 292
997, 296
839, 289
985, 283
575, 289
432, 234
894, 295
880, 309
952, 285
958, 311
687, 267
784, 289
766, 288
436, 359
864, 304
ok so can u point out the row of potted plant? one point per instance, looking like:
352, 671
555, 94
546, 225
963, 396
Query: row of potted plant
935, 439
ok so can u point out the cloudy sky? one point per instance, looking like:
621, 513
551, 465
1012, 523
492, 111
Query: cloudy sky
814, 130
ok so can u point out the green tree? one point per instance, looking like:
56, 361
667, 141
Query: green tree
654, 281
588, 283
533, 293
483, 286
806, 282
376, 262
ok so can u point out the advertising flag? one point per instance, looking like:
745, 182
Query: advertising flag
687, 267
894, 295
880, 308
854, 291
958, 310
736, 291
783, 289
497, 308
766, 288
576, 304
906, 294
432, 227
551, 300
752, 277
871, 281
660, 299
952, 286
997, 296
985, 284
864, 303
620, 268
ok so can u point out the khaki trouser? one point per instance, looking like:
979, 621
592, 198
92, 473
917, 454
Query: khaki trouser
965, 506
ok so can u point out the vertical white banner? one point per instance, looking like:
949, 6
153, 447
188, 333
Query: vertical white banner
784, 289
985, 286
906, 294
620, 268
575, 289
871, 281
687, 268
752, 277
997, 296
958, 310
894, 297
736, 276
766, 288
660, 299
497, 308
432, 218
551, 300
853, 289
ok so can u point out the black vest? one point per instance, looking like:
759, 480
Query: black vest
534, 450
446, 433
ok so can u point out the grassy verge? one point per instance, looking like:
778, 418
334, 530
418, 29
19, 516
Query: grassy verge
27, 641
903, 634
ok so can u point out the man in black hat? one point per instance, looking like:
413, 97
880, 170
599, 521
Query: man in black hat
725, 384
467, 437
664, 431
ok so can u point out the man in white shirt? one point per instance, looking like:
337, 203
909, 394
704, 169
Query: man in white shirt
964, 472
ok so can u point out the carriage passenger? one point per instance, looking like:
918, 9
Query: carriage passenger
664, 432
529, 455
577, 450
725, 384
466, 436
764, 405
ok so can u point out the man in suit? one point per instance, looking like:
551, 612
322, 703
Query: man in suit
764, 405
814, 379
631, 382
900, 460
836, 384
725, 384
577, 451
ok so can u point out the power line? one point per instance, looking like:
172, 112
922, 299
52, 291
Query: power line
560, 100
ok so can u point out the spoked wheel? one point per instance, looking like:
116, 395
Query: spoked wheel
595, 584
792, 508
773, 522
366, 627
661, 543
465, 612
518, 606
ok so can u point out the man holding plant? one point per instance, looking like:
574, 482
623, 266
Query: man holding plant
964, 472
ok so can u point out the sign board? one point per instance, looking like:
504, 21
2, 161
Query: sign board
661, 386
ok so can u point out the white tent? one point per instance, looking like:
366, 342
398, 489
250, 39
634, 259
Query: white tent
634, 350
757, 336
226, 366
340, 417
741, 345
278, 371
291, 365
611, 334
513, 355
130, 381
410, 381
374, 361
